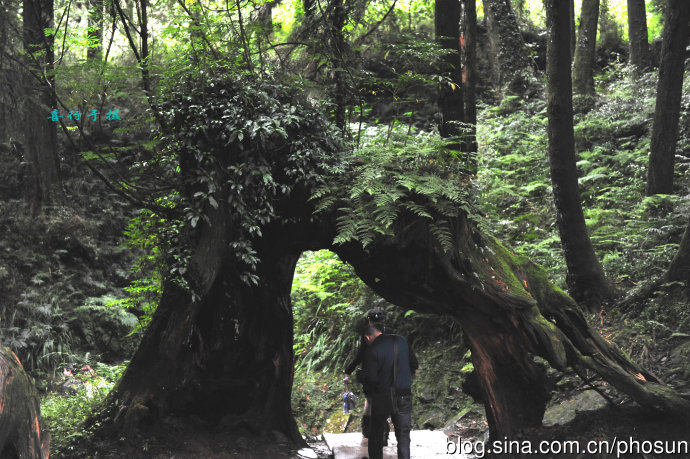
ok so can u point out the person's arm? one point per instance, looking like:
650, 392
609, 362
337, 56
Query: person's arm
358, 358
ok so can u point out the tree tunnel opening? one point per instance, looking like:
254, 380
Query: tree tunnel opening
328, 298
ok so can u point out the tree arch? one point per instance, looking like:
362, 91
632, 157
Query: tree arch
222, 349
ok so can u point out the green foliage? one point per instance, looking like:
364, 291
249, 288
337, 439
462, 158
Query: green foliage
105, 328
327, 299
634, 235
398, 176
64, 414
37, 330
244, 144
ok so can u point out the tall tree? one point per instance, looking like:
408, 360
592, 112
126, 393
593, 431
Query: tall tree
450, 100
640, 57
470, 72
337, 18
586, 281
95, 30
573, 35
511, 68
583, 66
668, 94
40, 132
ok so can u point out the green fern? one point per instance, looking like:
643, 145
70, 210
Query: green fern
411, 175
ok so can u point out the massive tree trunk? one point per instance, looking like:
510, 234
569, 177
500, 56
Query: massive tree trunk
511, 67
583, 67
22, 434
450, 100
40, 133
668, 94
586, 281
470, 72
640, 58
226, 356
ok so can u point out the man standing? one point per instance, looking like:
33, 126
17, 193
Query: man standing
389, 393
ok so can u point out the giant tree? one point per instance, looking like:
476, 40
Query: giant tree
586, 281
583, 65
668, 95
40, 131
640, 58
511, 67
255, 194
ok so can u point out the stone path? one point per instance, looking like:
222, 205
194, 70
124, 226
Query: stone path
424, 444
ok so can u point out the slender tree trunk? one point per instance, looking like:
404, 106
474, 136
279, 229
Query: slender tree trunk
511, 67
573, 36
583, 67
447, 29
4, 70
40, 133
145, 62
640, 57
586, 281
668, 95
338, 16
95, 31
470, 71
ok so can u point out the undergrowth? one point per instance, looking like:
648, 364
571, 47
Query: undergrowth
634, 235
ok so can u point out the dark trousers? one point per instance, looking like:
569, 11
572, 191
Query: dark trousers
380, 411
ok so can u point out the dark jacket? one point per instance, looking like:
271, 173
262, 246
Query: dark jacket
378, 365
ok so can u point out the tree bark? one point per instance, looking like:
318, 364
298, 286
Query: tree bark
510, 64
586, 281
668, 95
40, 133
226, 355
679, 269
573, 35
95, 31
22, 433
450, 100
470, 71
583, 67
640, 58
